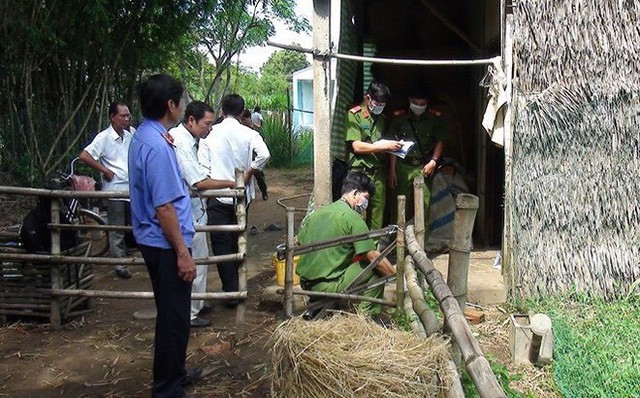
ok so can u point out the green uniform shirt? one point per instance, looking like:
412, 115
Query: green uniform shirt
429, 127
362, 126
329, 222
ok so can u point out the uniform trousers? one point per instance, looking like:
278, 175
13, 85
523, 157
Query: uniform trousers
172, 297
337, 285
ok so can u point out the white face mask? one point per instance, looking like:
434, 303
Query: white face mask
362, 206
377, 109
417, 109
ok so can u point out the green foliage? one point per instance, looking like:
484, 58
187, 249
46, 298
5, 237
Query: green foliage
502, 375
400, 319
286, 149
595, 338
225, 28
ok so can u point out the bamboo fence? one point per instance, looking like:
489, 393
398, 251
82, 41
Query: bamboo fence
60, 285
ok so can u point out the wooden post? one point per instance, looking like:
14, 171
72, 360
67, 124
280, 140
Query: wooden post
402, 223
476, 364
288, 269
418, 205
460, 246
508, 244
322, 102
540, 326
56, 276
241, 214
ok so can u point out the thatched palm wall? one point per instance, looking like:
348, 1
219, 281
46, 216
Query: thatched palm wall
575, 200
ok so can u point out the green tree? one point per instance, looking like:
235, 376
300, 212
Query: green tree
63, 61
227, 27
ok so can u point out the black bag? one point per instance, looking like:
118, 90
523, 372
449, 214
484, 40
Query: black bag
34, 234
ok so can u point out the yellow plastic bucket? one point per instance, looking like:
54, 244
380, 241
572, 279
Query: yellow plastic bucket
279, 263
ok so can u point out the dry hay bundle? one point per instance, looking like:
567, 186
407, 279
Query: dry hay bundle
350, 356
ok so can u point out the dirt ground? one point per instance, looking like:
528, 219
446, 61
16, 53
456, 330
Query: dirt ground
108, 353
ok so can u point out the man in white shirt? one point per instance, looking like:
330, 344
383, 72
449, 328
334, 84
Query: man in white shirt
230, 146
198, 119
256, 118
108, 154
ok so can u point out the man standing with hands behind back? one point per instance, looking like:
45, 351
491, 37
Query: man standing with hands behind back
163, 227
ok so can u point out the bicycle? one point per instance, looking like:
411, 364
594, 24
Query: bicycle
77, 211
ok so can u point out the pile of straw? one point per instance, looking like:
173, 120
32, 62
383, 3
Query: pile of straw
350, 356
573, 199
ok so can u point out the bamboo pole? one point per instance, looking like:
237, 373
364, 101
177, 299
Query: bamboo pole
56, 280
418, 205
288, 268
342, 296
376, 233
460, 246
425, 314
394, 61
416, 325
61, 193
57, 259
96, 227
218, 296
402, 223
241, 216
476, 364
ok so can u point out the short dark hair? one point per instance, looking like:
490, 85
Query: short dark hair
257, 109
197, 109
154, 94
379, 91
358, 181
246, 113
232, 105
113, 107
419, 91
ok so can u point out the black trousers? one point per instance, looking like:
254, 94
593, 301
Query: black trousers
173, 302
222, 243
262, 183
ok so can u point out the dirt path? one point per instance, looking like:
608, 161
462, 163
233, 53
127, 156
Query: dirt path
109, 354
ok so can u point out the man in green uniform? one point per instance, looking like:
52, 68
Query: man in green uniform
365, 124
427, 130
333, 269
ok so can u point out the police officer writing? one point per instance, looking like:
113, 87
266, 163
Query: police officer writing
427, 130
365, 124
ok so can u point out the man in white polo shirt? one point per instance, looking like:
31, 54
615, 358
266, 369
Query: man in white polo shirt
198, 119
231, 145
108, 154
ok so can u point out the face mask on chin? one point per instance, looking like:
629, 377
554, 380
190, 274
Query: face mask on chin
417, 109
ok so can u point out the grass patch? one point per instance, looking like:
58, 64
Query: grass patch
286, 149
596, 346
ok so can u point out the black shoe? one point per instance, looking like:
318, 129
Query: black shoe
193, 376
198, 322
123, 273
207, 309
265, 196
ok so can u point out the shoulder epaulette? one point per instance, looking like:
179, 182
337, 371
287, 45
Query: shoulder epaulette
400, 112
355, 109
435, 112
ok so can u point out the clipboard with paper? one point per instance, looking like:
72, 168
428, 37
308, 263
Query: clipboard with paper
402, 152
